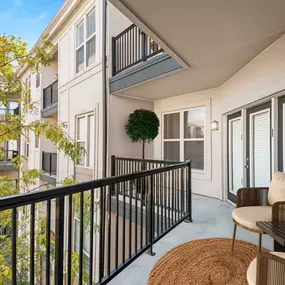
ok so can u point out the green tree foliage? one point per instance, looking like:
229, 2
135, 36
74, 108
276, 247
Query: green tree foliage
14, 55
142, 126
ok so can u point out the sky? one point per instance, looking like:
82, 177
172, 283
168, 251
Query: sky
27, 18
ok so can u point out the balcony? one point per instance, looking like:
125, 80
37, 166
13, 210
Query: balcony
125, 226
6, 157
146, 207
137, 58
5, 113
50, 100
49, 167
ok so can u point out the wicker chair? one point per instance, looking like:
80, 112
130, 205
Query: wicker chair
260, 204
267, 269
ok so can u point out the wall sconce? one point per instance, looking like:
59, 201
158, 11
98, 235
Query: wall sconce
55, 77
214, 125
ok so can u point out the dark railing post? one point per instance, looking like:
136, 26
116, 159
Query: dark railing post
114, 56
150, 215
50, 163
43, 160
59, 238
14, 246
113, 172
189, 193
144, 46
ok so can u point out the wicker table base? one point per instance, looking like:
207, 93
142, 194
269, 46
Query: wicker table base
204, 262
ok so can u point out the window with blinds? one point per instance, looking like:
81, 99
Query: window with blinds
260, 149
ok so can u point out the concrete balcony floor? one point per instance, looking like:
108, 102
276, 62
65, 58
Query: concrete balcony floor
211, 218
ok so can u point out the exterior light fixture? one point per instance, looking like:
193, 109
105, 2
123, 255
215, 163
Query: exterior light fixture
214, 125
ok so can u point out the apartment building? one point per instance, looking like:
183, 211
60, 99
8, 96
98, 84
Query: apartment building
206, 118
70, 90
9, 149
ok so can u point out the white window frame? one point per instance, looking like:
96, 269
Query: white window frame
85, 41
181, 140
87, 136
38, 80
27, 144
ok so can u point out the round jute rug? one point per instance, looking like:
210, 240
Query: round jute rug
204, 262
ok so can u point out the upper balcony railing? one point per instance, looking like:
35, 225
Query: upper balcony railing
131, 47
93, 216
4, 113
49, 163
8, 155
50, 95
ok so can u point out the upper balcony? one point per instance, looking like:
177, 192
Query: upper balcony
49, 167
136, 58
6, 157
5, 113
50, 100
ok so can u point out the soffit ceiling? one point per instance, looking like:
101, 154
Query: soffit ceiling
215, 39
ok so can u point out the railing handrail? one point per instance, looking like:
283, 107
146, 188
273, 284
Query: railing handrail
43, 195
47, 152
124, 31
147, 160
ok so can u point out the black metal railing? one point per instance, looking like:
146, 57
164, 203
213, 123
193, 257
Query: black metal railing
113, 229
131, 47
126, 165
50, 95
8, 155
5, 113
49, 162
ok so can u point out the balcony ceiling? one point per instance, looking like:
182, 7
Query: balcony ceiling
212, 40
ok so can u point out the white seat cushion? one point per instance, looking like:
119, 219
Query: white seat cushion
251, 271
276, 190
248, 216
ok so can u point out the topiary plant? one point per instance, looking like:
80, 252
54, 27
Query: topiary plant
142, 126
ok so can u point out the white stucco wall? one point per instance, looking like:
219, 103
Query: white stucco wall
80, 93
262, 77
119, 143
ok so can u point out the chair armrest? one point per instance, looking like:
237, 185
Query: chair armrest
255, 196
270, 269
278, 211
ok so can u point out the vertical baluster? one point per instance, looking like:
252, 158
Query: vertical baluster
130, 46
124, 223
102, 235
117, 226
156, 202
164, 185
146, 188
81, 230
59, 250
14, 246
151, 217
91, 237
136, 220
130, 221
139, 188
182, 193
161, 200
139, 44
32, 245
48, 241
169, 196
69, 249
109, 229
